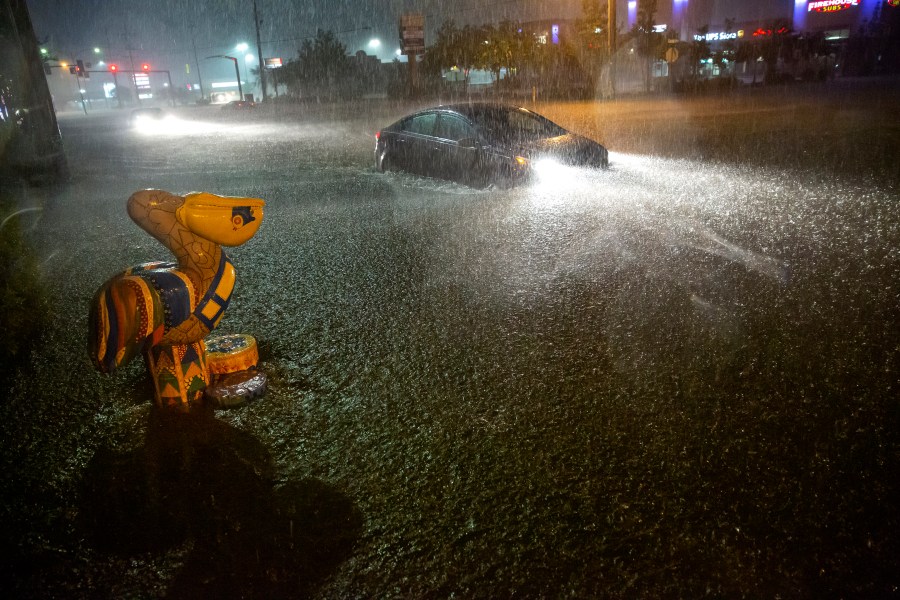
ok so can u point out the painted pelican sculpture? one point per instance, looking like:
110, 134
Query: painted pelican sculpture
163, 310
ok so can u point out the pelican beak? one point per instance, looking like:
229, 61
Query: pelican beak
225, 220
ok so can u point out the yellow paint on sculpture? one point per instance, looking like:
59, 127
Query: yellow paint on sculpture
225, 220
231, 353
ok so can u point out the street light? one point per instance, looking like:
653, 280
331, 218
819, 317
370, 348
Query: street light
242, 47
236, 71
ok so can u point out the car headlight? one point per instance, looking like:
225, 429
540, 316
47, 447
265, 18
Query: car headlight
548, 169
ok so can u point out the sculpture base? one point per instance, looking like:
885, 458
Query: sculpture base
232, 361
236, 389
179, 373
220, 370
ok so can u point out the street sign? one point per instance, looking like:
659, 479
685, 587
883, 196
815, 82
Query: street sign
671, 55
412, 33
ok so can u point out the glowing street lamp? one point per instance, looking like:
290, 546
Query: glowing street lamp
374, 43
242, 47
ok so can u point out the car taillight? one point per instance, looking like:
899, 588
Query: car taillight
377, 135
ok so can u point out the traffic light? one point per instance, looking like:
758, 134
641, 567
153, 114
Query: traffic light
113, 68
145, 67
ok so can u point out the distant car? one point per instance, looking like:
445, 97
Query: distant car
239, 105
144, 115
481, 143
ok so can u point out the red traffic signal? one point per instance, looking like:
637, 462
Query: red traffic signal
113, 68
145, 67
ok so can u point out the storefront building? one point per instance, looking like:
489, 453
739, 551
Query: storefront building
687, 17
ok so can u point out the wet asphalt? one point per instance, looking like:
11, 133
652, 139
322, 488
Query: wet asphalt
675, 378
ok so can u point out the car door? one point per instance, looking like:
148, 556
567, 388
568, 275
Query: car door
455, 147
416, 142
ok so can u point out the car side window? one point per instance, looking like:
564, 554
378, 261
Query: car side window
423, 124
453, 128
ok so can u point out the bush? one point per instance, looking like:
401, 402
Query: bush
23, 299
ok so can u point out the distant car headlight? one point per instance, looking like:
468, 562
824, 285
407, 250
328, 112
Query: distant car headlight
164, 125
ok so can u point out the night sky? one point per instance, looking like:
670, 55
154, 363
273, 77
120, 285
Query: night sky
164, 32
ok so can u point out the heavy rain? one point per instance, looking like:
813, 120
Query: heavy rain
674, 377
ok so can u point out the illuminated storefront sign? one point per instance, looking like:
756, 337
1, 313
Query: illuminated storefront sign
830, 5
719, 36
760, 32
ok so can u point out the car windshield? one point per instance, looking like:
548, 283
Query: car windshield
518, 125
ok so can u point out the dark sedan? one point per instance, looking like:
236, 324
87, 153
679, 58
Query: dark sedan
481, 143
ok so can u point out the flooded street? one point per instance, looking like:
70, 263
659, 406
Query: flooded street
674, 378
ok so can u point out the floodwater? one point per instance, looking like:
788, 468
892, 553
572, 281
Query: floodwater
674, 378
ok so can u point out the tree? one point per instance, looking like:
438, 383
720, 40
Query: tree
591, 31
455, 47
321, 69
699, 50
767, 44
269, 74
504, 47
650, 45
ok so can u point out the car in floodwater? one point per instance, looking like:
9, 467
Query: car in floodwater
482, 143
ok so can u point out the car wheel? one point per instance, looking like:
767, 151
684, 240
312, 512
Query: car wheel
504, 178
477, 179
386, 163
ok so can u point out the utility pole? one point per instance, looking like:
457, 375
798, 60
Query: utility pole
80, 93
197, 60
131, 60
116, 87
611, 27
262, 65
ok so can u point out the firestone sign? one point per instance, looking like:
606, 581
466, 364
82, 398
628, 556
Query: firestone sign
412, 33
830, 5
